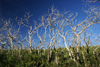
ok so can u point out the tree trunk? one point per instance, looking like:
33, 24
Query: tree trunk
87, 49
48, 56
77, 47
56, 59
30, 42
38, 51
11, 45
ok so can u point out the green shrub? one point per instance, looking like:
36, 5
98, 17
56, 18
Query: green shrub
25, 59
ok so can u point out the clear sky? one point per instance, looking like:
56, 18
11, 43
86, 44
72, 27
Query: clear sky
13, 8
17, 8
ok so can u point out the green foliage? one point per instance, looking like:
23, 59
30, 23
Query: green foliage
23, 58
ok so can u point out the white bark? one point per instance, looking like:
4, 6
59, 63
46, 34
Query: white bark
32, 30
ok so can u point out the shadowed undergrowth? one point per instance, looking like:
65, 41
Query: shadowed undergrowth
23, 58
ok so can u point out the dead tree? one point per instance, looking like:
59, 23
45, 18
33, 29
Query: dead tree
45, 25
40, 38
87, 42
31, 30
11, 34
78, 29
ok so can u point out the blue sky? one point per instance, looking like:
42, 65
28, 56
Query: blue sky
13, 8
17, 8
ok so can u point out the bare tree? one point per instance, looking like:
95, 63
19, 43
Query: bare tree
40, 40
31, 29
87, 42
10, 34
77, 29
80, 27
2, 39
45, 25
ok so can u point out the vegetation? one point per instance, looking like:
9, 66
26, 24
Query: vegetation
40, 48
25, 59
